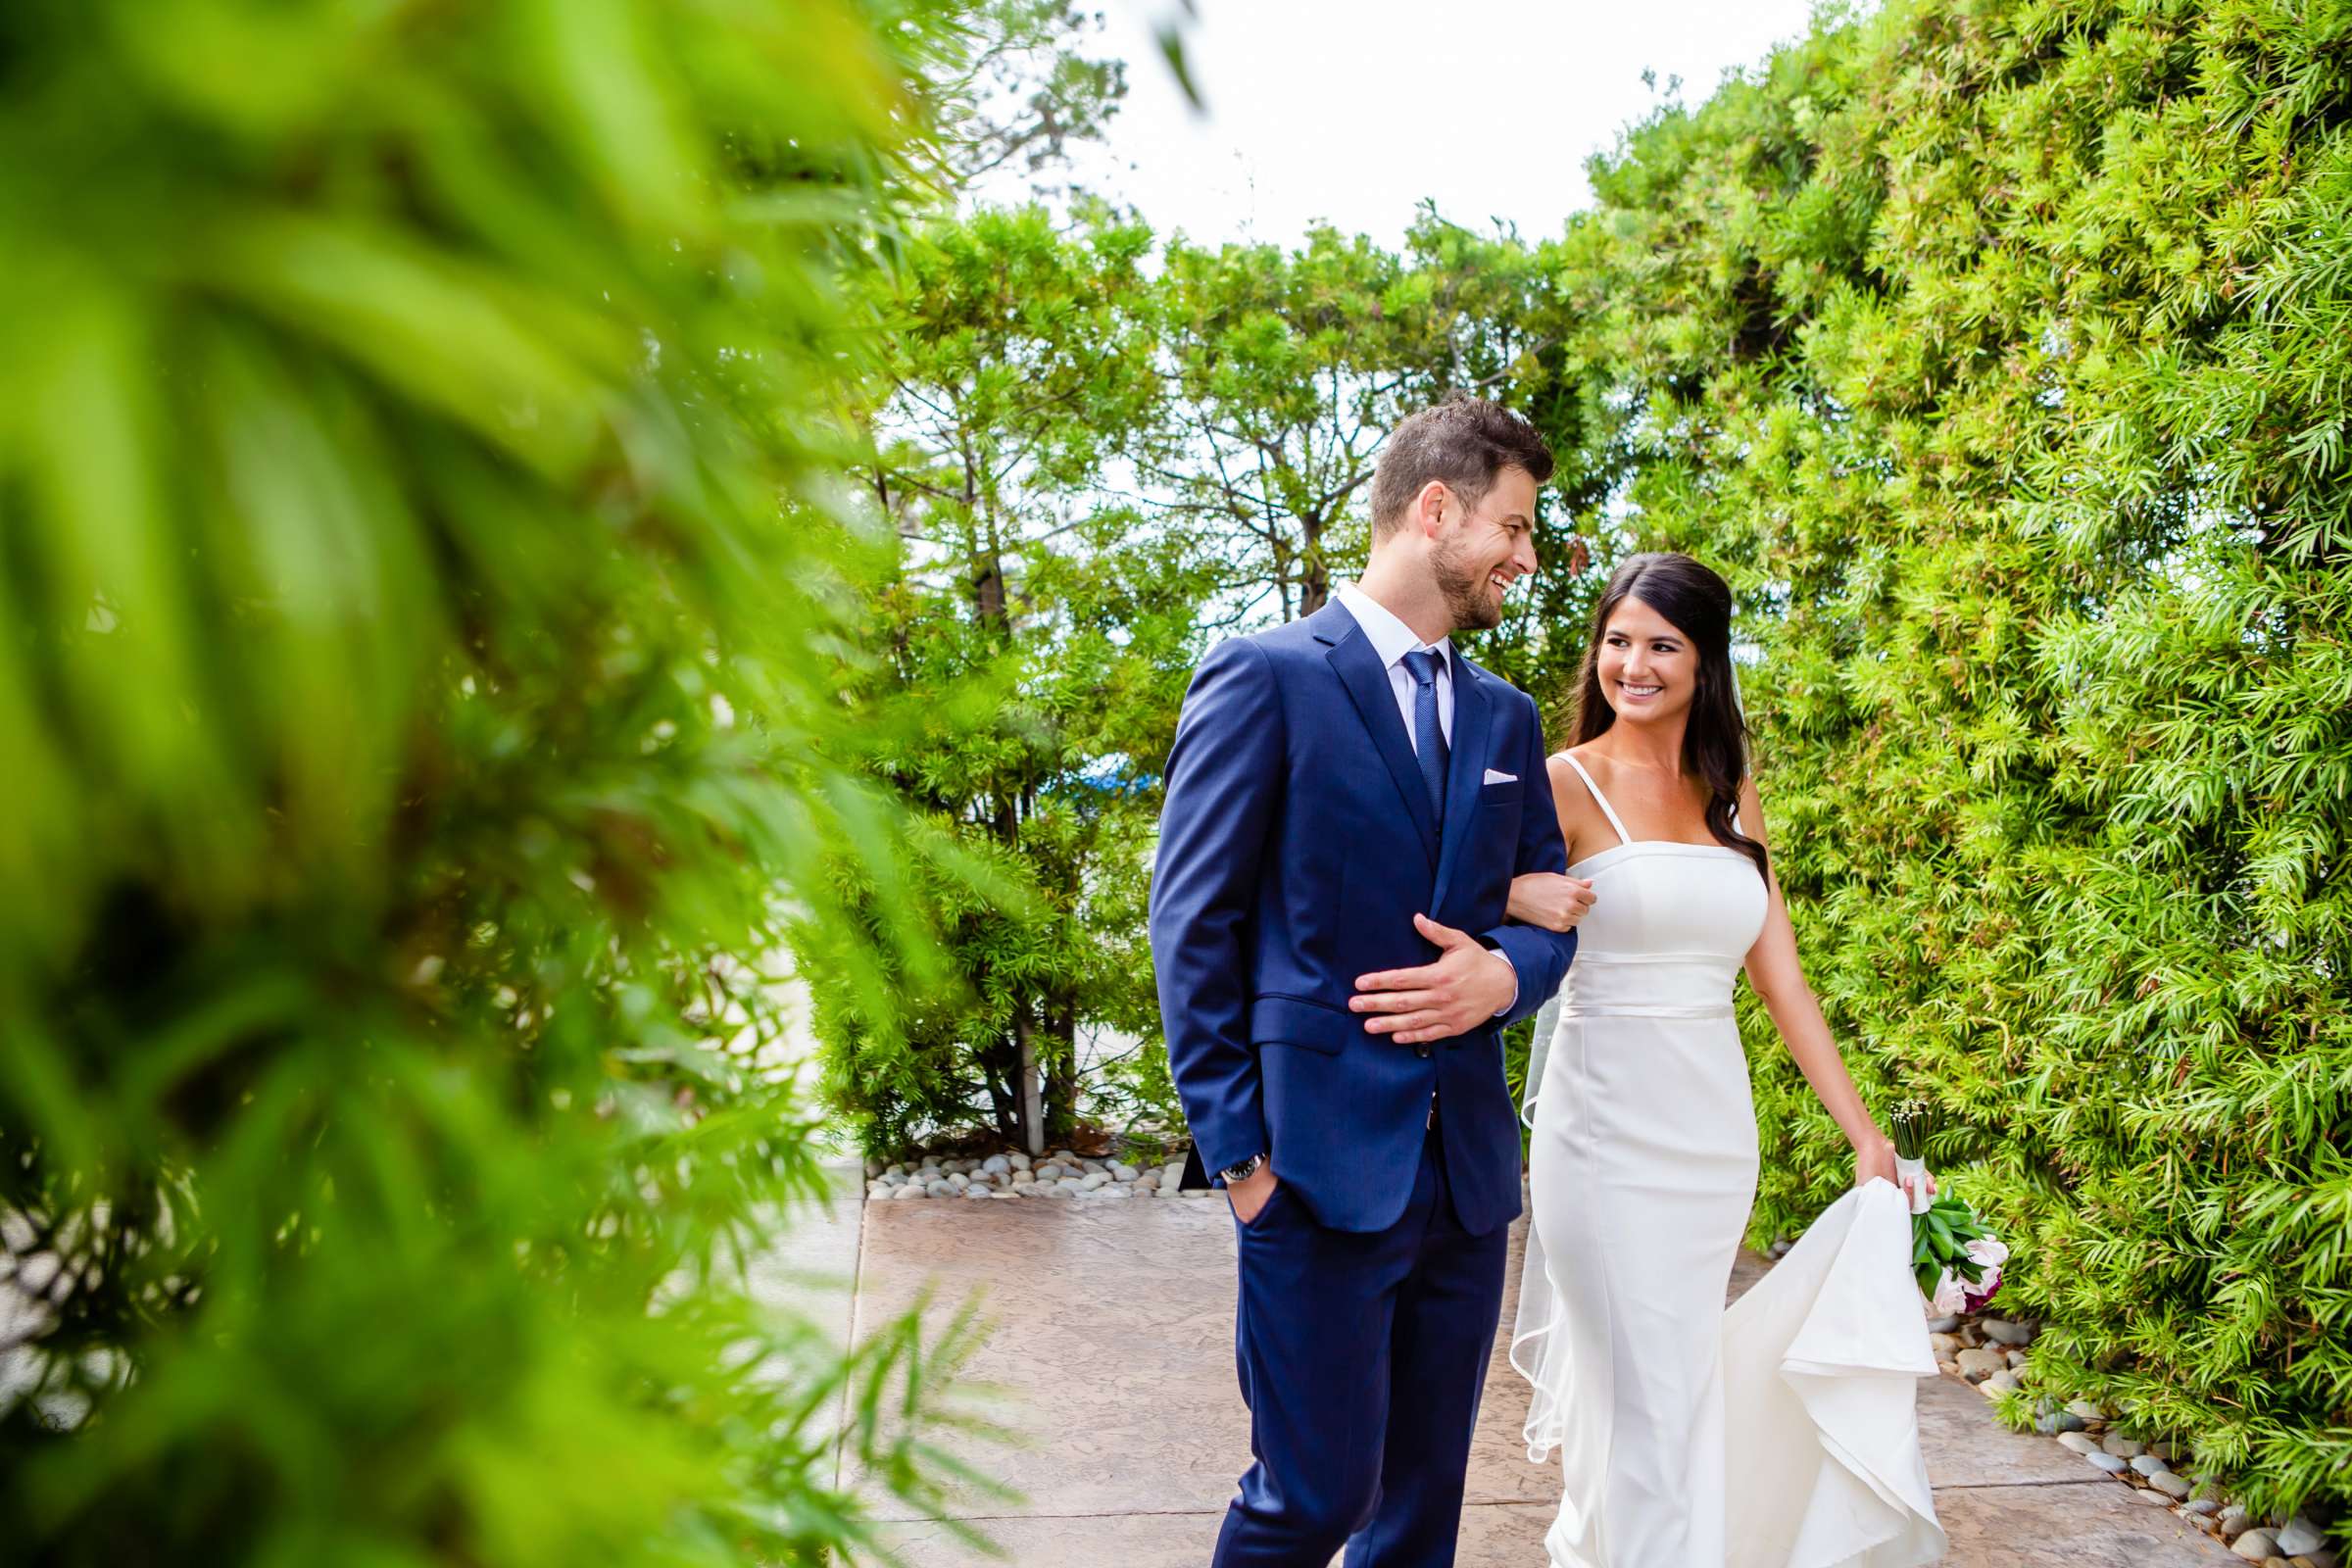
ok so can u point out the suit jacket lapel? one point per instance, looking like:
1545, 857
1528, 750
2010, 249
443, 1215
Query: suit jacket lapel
1367, 683
1465, 774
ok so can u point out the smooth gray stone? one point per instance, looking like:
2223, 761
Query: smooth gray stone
1980, 1364
2107, 1463
2298, 1537
2170, 1485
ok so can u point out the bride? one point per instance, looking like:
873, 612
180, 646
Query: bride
1782, 1432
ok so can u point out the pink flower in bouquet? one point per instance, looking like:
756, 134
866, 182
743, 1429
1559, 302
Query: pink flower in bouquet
1989, 1250
1975, 1295
1949, 1299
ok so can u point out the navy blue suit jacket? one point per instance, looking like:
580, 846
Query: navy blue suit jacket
1296, 847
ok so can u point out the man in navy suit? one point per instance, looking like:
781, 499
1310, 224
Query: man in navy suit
1348, 798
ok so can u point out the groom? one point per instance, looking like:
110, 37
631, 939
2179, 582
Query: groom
1348, 798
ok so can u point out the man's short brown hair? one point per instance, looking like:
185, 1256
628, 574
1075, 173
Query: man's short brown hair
1463, 441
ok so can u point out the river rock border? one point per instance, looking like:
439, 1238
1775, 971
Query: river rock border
1062, 1174
1990, 1353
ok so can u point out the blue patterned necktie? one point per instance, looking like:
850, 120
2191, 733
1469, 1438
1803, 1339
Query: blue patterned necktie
1429, 736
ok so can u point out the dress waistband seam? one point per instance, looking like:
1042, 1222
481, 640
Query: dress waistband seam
1638, 1010
1583, 957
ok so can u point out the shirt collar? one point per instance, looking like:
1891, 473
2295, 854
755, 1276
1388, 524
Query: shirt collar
1392, 639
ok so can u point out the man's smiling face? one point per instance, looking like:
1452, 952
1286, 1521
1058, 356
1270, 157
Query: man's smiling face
1481, 550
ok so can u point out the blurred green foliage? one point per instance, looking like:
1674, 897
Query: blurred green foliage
423, 553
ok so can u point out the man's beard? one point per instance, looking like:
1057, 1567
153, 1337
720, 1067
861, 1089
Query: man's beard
1465, 596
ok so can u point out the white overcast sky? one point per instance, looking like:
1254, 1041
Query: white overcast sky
1355, 110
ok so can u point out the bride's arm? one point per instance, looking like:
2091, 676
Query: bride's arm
1547, 898
1780, 982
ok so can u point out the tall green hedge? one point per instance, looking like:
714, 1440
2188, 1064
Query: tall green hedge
419, 497
2001, 353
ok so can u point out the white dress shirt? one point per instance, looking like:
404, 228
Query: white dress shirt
1392, 639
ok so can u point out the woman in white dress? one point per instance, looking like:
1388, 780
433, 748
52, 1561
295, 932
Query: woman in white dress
1780, 1433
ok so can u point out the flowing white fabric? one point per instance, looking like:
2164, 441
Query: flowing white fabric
1780, 1434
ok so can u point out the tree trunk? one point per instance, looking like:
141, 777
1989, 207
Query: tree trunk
988, 594
999, 1100
1031, 1109
1315, 577
1061, 1088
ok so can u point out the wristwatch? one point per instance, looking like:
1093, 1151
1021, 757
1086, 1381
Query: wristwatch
1242, 1172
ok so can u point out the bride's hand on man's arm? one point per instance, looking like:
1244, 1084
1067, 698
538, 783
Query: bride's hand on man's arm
1549, 900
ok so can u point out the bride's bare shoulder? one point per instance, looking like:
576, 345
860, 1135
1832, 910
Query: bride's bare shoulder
1581, 822
1564, 776
1563, 764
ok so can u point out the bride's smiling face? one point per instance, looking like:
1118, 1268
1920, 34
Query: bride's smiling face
1649, 669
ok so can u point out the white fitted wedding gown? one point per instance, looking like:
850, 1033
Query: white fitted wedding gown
1782, 1433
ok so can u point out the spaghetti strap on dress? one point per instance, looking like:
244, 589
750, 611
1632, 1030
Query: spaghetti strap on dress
1598, 799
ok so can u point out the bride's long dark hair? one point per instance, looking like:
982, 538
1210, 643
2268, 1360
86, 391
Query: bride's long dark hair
1698, 605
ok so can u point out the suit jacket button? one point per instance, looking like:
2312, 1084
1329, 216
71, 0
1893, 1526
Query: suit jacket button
1422, 1049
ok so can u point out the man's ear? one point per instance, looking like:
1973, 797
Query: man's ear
1429, 509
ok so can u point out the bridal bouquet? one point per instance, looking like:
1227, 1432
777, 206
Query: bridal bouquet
1957, 1260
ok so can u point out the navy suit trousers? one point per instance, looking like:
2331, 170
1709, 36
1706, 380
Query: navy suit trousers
1330, 1325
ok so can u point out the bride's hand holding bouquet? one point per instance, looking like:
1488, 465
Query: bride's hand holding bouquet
1879, 1157
1957, 1260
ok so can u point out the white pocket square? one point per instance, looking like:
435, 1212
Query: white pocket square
1497, 776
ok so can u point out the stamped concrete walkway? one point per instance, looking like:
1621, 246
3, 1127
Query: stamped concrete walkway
1112, 1361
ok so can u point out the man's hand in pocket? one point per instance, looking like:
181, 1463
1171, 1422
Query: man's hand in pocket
1248, 1196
